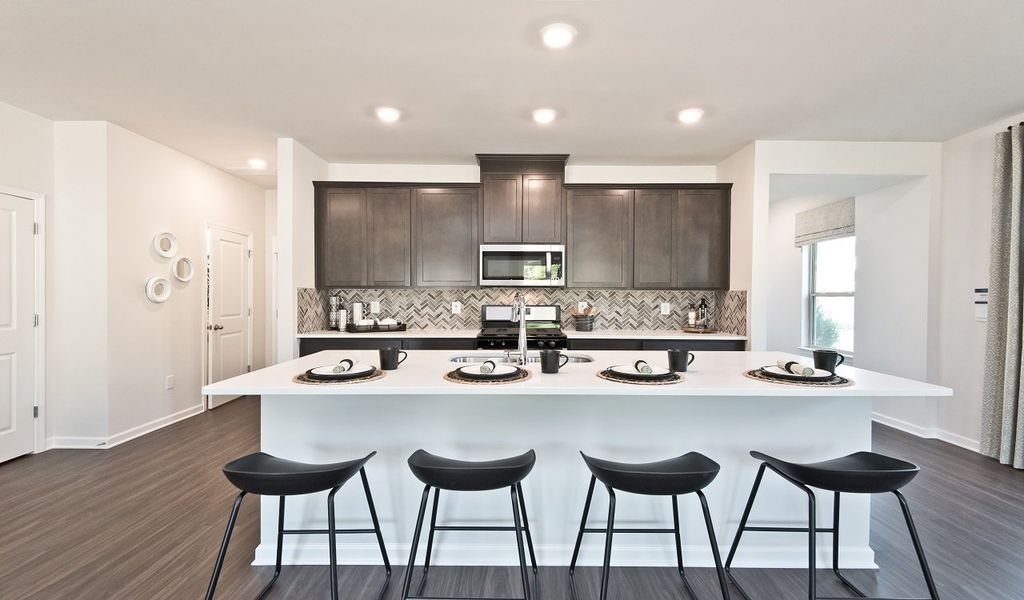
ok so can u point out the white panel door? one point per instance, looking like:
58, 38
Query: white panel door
17, 264
230, 304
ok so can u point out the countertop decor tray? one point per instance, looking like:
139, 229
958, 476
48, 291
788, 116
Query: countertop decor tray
352, 328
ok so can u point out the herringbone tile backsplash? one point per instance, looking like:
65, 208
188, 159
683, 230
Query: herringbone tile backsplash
618, 309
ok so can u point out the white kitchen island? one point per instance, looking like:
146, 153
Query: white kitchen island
716, 411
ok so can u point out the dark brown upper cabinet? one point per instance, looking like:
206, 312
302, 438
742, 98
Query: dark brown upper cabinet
600, 238
702, 239
522, 198
363, 237
681, 239
389, 225
654, 223
446, 223
341, 216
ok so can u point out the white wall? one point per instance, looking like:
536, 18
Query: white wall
77, 370
297, 169
738, 170
967, 163
786, 294
26, 150
270, 229
891, 321
152, 188
640, 174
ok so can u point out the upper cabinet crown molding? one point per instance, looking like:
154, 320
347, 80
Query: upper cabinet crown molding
522, 163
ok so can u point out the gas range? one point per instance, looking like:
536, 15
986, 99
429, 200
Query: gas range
543, 328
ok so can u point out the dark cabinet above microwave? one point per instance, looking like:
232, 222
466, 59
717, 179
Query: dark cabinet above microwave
522, 198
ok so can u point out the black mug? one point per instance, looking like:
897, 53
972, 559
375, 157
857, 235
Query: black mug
552, 360
828, 360
679, 360
389, 360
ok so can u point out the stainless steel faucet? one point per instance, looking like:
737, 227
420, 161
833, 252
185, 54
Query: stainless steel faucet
519, 316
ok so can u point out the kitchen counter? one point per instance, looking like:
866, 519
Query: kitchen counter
601, 334
716, 411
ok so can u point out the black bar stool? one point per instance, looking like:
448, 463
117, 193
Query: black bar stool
268, 475
442, 473
858, 473
686, 474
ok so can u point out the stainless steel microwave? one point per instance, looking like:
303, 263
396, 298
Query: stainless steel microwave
524, 265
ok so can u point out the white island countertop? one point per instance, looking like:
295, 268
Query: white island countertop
600, 334
713, 373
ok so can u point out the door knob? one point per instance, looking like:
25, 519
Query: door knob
218, 327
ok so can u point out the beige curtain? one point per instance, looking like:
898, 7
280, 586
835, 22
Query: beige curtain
1002, 434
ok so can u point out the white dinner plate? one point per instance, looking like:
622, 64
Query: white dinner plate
499, 371
357, 370
630, 371
819, 374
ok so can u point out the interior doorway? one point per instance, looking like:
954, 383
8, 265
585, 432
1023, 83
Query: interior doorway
229, 319
21, 344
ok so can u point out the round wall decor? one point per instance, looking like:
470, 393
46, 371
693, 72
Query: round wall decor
183, 269
165, 244
158, 289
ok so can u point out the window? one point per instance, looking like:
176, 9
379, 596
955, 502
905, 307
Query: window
830, 283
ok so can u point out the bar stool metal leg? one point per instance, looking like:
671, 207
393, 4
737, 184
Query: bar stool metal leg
526, 526
224, 546
430, 541
415, 543
583, 525
714, 545
743, 521
608, 544
280, 549
332, 546
679, 546
376, 525
519, 542
812, 551
933, 590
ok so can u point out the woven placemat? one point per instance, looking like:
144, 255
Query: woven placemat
607, 375
301, 378
454, 377
837, 381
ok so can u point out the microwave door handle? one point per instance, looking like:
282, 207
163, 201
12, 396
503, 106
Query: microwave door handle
549, 266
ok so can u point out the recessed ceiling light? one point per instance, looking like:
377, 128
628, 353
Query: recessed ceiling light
544, 115
257, 163
388, 114
558, 35
690, 116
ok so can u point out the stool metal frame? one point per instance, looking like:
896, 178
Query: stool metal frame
611, 529
813, 529
521, 527
331, 531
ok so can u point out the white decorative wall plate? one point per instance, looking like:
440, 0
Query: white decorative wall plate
183, 269
158, 289
165, 244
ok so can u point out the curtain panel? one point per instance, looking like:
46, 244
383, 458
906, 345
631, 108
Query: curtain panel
1002, 434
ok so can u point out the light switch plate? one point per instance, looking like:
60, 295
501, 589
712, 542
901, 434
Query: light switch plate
581, 305
170, 382
374, 307
666, 309
456, 308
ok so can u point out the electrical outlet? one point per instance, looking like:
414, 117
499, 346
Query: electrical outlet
374, 307
456, 308
666, 309
170, 382
581, 305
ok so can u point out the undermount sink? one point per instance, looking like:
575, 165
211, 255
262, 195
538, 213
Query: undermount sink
501, 357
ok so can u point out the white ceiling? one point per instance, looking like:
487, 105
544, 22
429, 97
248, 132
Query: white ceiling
222, 79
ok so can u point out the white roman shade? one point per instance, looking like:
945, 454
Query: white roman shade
825, 222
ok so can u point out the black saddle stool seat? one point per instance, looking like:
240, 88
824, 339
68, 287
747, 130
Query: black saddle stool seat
686, 474
857, 473
441, 473
266, 475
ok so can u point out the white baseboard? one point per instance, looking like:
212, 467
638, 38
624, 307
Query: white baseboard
76, 443
215, 401
927, 432
795, 556
99, 443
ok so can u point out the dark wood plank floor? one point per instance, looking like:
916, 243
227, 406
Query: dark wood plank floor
143, 521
